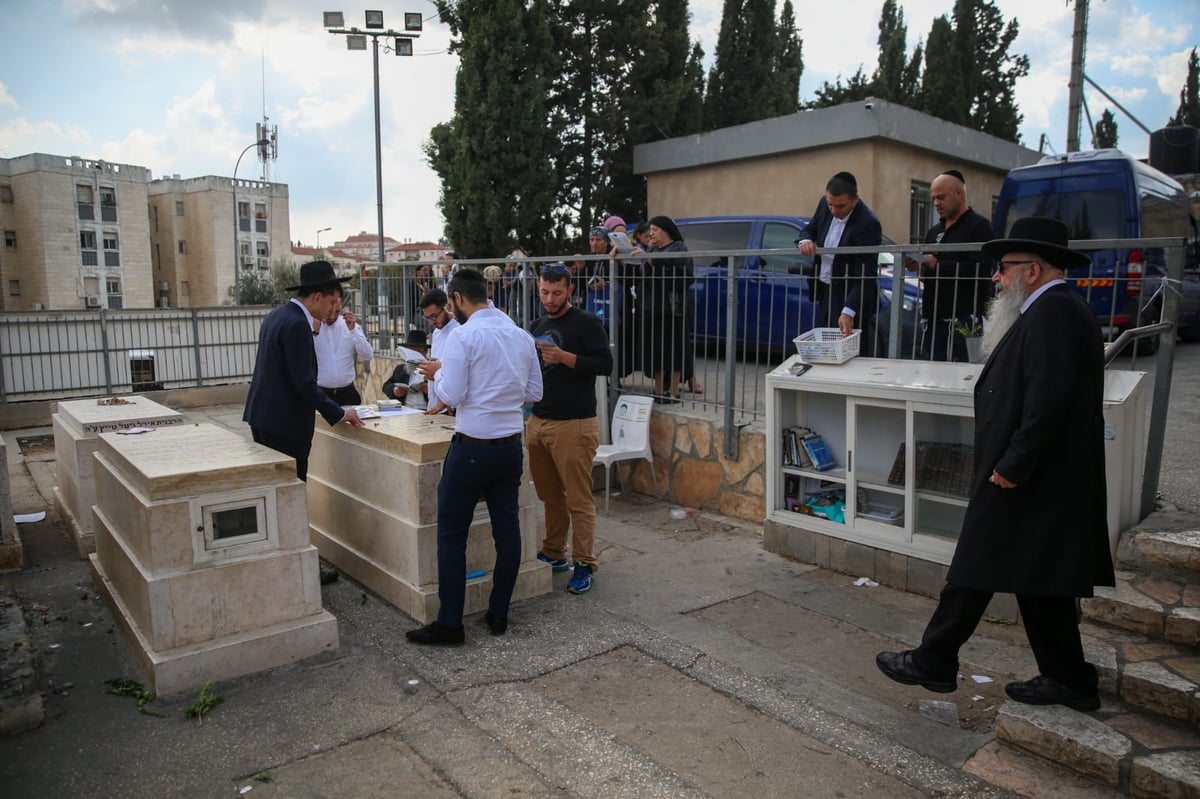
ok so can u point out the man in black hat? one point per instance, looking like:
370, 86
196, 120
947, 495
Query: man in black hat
406, 383
1036, 524
844, 287
284, 392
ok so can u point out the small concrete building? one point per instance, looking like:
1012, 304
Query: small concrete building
75, 234
780, 165
192, 236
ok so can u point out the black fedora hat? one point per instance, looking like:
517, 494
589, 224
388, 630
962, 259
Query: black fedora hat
1040, 235
316, 275
416, 338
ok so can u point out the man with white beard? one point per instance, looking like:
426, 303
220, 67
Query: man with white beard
1002, 311
1036, 523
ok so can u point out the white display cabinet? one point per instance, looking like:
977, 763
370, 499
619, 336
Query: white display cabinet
911, 501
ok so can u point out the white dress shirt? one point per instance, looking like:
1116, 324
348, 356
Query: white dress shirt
833, 237
489, 371
336, 346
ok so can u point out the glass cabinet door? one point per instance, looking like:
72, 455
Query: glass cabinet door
940, 469
877, 493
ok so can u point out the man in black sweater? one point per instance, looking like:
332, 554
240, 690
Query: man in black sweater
563, 433
956, 284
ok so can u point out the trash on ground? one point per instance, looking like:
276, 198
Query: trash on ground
977, 698
681, 513
867, 581
942, 712
979, 678
27, 518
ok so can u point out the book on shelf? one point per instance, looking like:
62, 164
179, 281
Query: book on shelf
794, 453
819, 452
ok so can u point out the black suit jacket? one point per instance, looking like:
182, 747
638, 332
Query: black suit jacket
1039, 423
855, 277
283, 392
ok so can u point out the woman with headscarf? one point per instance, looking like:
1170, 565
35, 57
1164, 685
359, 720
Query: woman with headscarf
666, 288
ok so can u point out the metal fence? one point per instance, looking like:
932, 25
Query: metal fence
60, 354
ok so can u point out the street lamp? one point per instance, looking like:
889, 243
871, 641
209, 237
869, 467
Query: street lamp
319, 232
237, 256
402, 46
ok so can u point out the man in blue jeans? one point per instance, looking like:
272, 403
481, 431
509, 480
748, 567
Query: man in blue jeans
488, 370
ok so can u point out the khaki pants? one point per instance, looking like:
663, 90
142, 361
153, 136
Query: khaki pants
560, 460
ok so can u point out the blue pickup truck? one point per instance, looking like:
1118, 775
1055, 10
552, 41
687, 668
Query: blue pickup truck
773, 296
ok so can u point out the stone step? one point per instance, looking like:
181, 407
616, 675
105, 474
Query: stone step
1138, 753
1149, 605
1174, 549
1153, 676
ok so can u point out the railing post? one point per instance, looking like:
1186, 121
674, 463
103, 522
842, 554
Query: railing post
196, 347
897, 309
731, 309
104, 348
1162, 377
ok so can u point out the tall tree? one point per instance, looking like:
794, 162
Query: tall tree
942, 91
1106, 130
724, 80
1188, 112
895, 77
857, 87
789, 62
756, 72
965, 42
991, 91
492, 156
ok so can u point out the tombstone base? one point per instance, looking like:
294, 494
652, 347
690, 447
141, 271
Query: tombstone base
84, 540
187, 668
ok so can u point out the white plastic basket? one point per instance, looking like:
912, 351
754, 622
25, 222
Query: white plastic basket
826, 345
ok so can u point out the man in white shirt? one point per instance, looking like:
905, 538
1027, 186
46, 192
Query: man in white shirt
433, 308
339, 338
488, 370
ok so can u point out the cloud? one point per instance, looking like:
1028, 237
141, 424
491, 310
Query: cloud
211, 20
6, 99
22, 136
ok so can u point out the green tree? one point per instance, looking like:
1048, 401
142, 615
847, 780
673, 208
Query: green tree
836, 93
1188, 112
964, 44
757, 67
1106, 130
268, 287
493, 155
942, 93
991, 89
789, 62
896, 78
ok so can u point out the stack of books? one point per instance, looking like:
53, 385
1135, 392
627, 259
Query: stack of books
804, 449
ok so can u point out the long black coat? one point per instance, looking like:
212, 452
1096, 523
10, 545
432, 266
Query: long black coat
1039, 423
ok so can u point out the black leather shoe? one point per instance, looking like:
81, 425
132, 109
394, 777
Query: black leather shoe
329, 576
434, 634
1049, 691
899, 666
497, 626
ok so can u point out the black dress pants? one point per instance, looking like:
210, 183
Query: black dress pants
1051, 625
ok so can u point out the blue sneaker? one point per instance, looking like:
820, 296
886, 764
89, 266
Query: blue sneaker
559, 565
581, 580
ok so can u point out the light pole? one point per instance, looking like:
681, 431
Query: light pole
319, 232
237, 256
402, 46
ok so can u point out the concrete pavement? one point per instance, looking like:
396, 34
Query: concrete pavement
699, 665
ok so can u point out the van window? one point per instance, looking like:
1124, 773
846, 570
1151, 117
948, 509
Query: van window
702, 236
1087, 215
1161, 218
779, 236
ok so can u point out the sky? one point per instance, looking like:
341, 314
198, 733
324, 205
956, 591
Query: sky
178, 85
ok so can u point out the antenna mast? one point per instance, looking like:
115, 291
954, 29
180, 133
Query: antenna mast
265, 132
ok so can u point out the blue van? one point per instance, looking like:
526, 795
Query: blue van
773, 302
1104, 194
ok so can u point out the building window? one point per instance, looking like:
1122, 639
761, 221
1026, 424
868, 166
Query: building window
112, 286
108, 205
179, 208
6, 195
87, 245
263, 249
182, 247
10, 239
112, 253
260, 218
920, 211
14, 288
244, 217
86, 201
154, 216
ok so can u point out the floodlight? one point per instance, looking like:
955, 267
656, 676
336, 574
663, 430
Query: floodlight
334, 19
374, 19
356, 42
413, 22
404, 45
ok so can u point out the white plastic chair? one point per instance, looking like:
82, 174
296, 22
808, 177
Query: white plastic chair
630, 435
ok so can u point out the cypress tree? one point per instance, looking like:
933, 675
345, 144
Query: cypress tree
1106, 130
942, 93
1188, 112
889, 80
994, 104
725, 77
789, 63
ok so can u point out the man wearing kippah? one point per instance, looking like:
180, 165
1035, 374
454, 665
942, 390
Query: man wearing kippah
956, 285
845, 287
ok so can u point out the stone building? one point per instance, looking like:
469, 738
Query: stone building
192, 236
780, 165
75, 234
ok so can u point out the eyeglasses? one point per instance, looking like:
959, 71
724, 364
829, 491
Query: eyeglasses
555, 269
1001, 266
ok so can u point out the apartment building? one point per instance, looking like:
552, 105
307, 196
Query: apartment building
75, 234
195, 243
